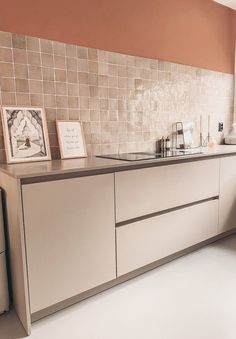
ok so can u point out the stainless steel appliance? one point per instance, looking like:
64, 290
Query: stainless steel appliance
138, 156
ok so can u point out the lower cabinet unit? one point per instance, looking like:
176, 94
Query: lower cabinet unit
145, 241
70, 237
227, 210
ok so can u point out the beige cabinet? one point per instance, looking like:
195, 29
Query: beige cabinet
70, 237
227, 210
143, 242
145, 191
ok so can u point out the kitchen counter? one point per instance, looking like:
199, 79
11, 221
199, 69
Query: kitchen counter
37, 171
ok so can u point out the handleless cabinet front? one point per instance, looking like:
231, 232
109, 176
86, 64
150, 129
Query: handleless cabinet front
227, 210
70, 237
145, 191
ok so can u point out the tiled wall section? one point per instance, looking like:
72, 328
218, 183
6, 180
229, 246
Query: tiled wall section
125, 102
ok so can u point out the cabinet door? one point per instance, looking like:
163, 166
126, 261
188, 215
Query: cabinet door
227, 210
145, 191
143, 242
70, 237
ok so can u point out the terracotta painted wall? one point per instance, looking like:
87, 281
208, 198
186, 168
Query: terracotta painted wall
192, 32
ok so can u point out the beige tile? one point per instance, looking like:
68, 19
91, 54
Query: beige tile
73, 89
60, 62
93, 79
61, 88
35, 72
104, 104
94, 115
47, 60
62, 101
19, 56
113, 81
83, 65
102, 68
73, 102
51, 114
46, 46
32, 44
74, 114
23, 99
94, 103
83, 78
5, 39
85, 115
34, 58
82, 52
59, 48
103, 80
22, 85
48, 87
62, 114
48, 74
60, 75
18, 41
36, 86
36, 100
84, 103
72, 77
71, 64
7, 84
55, 153
49, 100
5, 54
113, 70
122, 71
93, 66
92, 54
8, 98
103, 92
93, 90
21, 71
71, 50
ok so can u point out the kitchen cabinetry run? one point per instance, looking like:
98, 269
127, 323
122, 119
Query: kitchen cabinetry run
227, 208
70, 237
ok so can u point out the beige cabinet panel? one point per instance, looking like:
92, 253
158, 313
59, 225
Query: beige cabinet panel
143, 242
70, 237
144, 191
227, 210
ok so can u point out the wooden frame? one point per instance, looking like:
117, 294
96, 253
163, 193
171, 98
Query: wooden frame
35, 125
80, 152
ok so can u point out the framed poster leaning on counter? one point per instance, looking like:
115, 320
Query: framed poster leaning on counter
71, 139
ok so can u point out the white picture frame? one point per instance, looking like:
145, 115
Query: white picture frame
71, 139
25, 134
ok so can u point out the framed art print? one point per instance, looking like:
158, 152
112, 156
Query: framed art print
25, 134
71, 139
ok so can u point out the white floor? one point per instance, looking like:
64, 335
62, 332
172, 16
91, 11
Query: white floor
193, 297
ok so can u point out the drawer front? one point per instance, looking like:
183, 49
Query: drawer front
149, 190
143, 242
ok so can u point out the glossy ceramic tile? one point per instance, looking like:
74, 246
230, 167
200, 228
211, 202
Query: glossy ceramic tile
125, 102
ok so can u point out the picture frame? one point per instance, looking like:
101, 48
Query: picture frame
25, 134
71, 139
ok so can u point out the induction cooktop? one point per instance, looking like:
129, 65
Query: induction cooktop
137, 156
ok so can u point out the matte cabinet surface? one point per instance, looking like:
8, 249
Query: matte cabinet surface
70, 237
227, 210
141, 243
144, 191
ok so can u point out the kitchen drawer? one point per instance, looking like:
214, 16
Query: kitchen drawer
143, 242
145, 191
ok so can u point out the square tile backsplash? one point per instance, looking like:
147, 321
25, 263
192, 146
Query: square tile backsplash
125, 102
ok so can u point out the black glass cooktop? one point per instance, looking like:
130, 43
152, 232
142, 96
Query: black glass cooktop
136, 156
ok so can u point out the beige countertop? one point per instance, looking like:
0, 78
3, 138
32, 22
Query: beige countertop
44, 170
